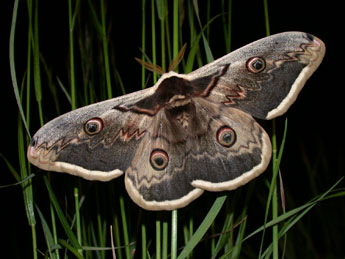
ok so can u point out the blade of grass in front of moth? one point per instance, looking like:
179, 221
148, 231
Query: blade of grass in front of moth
204, 226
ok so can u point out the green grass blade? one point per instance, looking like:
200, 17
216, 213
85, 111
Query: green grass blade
195, 47
20, 182
143, 241
37, 70
106, 52
73, 239
12, 65
70, 248
209, 56
47, 234
295, 211
224, 238
153, 39
301, 212
267, 22
174, 234
71, 56
158, 239
272, 191
77, 216
125, 226
27, 185
165, 240
64, 90
143, 42
12, 170
204, 226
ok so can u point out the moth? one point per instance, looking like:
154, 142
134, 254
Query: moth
189, 132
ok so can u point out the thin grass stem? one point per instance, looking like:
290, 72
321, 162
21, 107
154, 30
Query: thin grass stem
153, 38
124, 225
117, 236
106, 52
143, 241
143, 42
158, 239
165, 240
174, 234
71, 56
77, 214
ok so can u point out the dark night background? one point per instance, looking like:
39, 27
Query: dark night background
315, 121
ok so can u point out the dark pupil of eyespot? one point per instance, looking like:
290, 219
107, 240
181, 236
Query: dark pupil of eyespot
159, 161
227, 138
257, 64
92, 127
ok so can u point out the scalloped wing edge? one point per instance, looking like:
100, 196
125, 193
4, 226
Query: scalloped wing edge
75, 170
201, 186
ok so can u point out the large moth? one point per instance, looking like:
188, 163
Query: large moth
189, 132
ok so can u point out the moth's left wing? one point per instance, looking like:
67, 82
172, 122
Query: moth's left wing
262, 78
96, 142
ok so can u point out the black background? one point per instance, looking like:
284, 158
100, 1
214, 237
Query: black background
315, 121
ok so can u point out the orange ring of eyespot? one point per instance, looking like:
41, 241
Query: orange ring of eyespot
251, 62
163, 159
97, 126
221, 135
